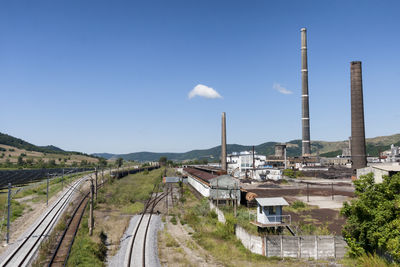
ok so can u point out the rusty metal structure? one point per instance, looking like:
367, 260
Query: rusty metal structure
358, 149
223, 143
306, 150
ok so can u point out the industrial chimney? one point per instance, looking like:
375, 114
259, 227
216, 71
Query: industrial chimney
306, 151
358, 153
223, 143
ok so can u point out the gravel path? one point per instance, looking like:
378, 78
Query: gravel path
46, 226
121, 258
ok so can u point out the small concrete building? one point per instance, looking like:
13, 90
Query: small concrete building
269, 212
379, 170
224, 188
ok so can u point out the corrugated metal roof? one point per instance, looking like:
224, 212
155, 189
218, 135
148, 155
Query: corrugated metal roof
225, 181
171, 179
389, 168
205, 176
272, 201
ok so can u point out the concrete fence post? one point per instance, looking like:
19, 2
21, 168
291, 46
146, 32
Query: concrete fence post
266, 246
298, 247
281, 246
263, 246
334, 246
316, 247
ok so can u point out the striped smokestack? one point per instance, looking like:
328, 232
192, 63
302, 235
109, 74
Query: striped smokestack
358, 153
306, 151
223, 143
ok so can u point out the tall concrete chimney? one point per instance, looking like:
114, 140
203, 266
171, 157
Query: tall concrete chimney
358, 150
306, 151
223, 143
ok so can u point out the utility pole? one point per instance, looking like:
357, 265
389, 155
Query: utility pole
332, 192
62, 180
235, 201
166, 199
8, 212
307, 194
47, 189
91, 220
95, 188
217, 193
102, 175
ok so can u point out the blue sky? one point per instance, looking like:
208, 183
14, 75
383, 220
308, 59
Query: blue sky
115, 76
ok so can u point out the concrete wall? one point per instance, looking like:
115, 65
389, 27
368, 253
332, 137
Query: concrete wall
221, 217
199, 186
251, 242
317, 247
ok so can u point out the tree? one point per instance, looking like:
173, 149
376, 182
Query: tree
119, 162
83, 163
162, 161
20, 161
373, 219
102, 162
52, 163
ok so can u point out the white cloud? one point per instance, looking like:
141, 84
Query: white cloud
204, 91
281, 89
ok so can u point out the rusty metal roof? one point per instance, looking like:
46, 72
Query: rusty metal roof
203, 175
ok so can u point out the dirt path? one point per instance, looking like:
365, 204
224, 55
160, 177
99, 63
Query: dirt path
178, 248
32, 212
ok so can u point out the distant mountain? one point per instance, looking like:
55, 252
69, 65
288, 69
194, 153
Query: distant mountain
374, 146
9, 140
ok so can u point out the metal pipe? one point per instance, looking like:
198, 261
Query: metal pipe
306, 151
358, 150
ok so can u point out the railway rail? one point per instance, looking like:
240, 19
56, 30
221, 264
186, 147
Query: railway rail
63, 249
24, 252
149, 211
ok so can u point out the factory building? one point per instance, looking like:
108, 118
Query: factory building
391, 155
207, 182
379, 171
249, 164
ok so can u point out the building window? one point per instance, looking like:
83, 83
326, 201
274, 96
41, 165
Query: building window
272, 210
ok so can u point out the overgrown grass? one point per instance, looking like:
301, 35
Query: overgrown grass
125, 195
243, 217
131, 190
367, 260
298, 206
218, 238
87, 250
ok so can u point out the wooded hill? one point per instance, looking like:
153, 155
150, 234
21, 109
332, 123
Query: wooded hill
331, 149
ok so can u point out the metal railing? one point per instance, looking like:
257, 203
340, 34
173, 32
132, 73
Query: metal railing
278, 219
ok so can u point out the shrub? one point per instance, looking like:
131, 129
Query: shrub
173, 220
298, 204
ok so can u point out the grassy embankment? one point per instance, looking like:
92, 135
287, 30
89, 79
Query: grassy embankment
34, 193
216, 238
116, 199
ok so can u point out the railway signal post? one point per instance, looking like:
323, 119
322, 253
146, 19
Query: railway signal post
95, 188
47, 189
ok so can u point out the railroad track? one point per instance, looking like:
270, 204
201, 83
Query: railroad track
63, 249
142, 228
25, 250
64, 246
